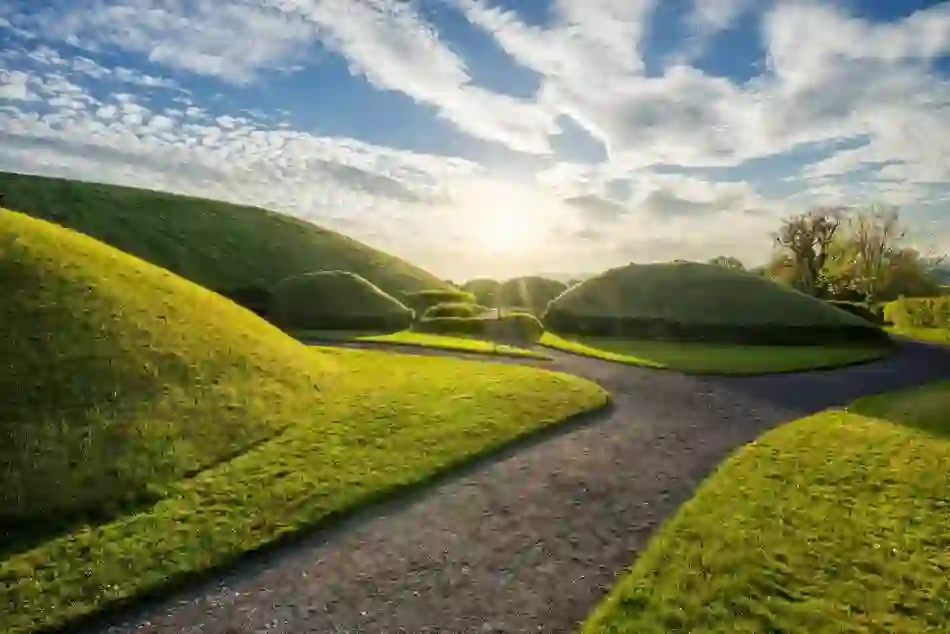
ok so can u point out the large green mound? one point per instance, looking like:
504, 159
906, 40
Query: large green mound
336, 300
118, 377
218, 245
686, 300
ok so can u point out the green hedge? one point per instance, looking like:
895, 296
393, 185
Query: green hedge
421, 301
925, 312
661, 329
454, 309
523, 327
870, 313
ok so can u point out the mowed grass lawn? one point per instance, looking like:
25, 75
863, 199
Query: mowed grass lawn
389, 421
716, 358
839, 522
423, 340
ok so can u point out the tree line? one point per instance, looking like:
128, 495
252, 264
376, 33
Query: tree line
858, 254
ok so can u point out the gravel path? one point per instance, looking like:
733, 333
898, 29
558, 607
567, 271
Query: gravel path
529, 542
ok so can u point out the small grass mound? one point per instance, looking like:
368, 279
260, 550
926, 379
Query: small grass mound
454, 309
838, 522
118, 378
716, 358
421, 301
484, 289
700, 302
222, 246
336, 300
531, 293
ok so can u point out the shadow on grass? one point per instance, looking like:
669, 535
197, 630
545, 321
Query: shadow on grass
332, 526
926, 408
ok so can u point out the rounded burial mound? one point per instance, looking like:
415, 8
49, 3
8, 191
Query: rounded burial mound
220, 245
531, 292
119, 378
700, 302
336, 300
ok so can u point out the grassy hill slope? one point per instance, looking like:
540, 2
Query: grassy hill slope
696, 293
218, 245
118, 377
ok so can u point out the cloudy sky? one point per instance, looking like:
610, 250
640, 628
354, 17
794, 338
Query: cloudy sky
496, 136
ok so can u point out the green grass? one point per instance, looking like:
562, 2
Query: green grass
393, 420
835, 523
690, 293
153, 429
101, 360
423, 340
937, 335
216, 244
715, 358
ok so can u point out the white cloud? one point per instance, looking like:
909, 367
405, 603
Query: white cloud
13, 86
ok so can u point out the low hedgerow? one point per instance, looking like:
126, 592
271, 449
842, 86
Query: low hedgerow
454, 309
421, 301
924, 312
520, 326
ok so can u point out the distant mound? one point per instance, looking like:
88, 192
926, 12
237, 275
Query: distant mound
699, 301
484, 289
218, 245
532, 292
118, 378
336, 300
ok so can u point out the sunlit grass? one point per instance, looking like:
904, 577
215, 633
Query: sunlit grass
839, 522
459, 343
715, 358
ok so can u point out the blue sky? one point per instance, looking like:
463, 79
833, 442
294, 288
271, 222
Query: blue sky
496, 137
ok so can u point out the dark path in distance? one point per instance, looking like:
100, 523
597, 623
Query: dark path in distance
531, 541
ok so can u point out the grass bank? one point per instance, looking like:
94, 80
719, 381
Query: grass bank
715, 358
838, 522
421, 340
936, 335
392, 421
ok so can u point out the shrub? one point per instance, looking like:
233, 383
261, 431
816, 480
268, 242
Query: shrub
421, 301
454, 309
871, 313
336, 300
254, 298
925, 312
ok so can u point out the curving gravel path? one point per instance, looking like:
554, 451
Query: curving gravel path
531, 541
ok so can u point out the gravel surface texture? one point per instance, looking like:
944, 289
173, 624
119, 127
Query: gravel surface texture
530, 540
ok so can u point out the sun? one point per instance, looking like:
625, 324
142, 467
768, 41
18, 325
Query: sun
503, 232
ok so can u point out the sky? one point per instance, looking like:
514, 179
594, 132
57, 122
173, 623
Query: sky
496, 137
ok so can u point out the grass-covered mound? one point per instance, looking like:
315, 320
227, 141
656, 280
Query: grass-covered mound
336, 300
390, 421
838, 522
421, 301
700, 302
118, 378
454, 309
520, 327
531, 293
219, 245
484, 289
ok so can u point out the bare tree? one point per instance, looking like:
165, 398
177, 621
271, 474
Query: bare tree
807, 239
875, 234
